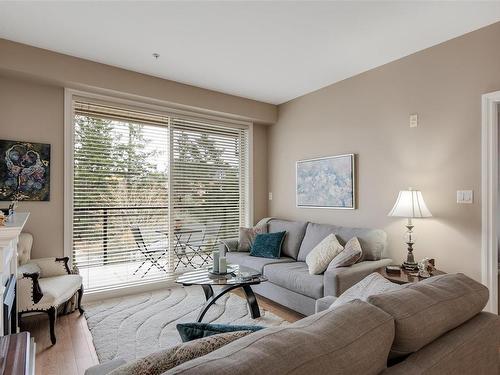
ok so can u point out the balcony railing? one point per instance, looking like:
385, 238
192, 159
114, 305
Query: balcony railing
103, 233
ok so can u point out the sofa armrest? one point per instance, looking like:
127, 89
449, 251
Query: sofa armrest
29, 291
324, 303
52, 266
338, 280
228, 245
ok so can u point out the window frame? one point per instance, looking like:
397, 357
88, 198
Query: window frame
142, 104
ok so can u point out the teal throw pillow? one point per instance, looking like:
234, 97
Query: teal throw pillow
193, 331
267, 245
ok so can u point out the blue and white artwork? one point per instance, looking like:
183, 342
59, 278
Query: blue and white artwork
326, 182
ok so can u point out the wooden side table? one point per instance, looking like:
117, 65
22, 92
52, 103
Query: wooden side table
405, 277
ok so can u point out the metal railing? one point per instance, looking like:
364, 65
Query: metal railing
106, 214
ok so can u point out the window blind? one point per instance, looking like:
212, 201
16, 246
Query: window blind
209, 178
152, 193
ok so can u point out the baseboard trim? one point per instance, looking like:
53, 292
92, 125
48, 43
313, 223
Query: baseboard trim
121, 291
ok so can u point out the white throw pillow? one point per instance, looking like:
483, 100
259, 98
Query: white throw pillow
372, 284
351, 254
320, 257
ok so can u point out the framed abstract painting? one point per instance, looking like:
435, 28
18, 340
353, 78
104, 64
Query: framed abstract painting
24, 171
327, 182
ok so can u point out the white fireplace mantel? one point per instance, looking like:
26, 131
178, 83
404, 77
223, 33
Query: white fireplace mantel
9, 237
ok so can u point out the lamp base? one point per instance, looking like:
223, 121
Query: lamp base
410, 266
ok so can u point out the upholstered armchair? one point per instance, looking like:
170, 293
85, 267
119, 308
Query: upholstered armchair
44, 285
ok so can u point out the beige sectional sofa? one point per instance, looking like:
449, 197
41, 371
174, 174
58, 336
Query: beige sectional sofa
434, 327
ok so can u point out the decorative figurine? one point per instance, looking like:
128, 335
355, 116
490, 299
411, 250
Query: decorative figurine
425, 267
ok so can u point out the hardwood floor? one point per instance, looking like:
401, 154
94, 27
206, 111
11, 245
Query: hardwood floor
74, 351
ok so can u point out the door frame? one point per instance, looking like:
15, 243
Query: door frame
489, 190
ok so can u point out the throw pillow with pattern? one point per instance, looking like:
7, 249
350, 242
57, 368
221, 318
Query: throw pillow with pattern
247, 236
164, 360
351, 254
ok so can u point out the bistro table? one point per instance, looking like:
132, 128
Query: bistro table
233, 280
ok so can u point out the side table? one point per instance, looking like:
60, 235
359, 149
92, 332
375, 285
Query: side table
405, 277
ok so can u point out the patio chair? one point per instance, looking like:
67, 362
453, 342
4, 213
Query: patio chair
152, 251
197, 241
187, 241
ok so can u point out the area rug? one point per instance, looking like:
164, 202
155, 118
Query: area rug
133, 326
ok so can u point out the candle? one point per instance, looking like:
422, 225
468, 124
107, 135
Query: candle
215, 256
222, 265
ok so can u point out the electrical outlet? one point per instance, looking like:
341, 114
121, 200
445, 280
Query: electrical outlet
270, 196
465, 196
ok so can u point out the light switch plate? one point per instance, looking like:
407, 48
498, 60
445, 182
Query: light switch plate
413, 120
465, 196
270, 196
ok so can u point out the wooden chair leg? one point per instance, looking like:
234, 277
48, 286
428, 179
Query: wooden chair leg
52, 321
80, 295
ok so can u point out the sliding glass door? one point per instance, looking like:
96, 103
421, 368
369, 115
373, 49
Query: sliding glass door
152, 194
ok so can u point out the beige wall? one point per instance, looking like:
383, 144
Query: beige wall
63, 70
32, 106
368, 115
33, 112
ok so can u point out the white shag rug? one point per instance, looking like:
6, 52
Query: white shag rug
133, 326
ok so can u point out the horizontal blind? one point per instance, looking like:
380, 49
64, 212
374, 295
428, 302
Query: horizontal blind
120, 193
208, 179
145, 185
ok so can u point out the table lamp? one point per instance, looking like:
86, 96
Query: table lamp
410, 204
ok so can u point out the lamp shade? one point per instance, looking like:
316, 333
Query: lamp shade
410, 204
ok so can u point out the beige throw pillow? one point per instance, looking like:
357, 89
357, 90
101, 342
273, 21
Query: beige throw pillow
371, 285
159, 362
247, 236
351, 254
323, 253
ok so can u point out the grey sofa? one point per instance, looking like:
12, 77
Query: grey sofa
290, 283
432, 327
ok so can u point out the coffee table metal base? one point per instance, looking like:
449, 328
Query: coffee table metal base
212, 298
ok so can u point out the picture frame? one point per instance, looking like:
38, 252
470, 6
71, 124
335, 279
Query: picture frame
24, 171
326, 182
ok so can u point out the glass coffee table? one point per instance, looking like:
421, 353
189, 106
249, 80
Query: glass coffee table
233, 280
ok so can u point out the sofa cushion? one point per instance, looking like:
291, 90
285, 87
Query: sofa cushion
354, 339
295, 277
295, 231
373, 241
59, 289
256, 263
425, 310
469, 349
